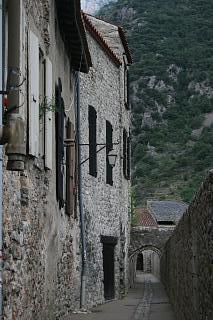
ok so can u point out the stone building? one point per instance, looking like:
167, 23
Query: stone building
105, 121
45, 44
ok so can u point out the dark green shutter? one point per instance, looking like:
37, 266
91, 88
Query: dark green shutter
109, 147
128, 157
92, 141
124, 153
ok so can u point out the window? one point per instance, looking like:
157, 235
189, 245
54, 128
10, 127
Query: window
92, 117
166, 223
109, 147
126, 155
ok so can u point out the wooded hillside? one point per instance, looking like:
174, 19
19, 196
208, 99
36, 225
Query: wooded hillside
172, 93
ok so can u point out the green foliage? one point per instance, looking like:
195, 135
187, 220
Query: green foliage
47, 105
134, 217
161, 34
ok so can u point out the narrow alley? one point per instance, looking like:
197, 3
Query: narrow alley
146, 300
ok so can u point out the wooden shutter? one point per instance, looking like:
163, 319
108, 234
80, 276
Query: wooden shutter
70, 170
33, 138
109, 147
92, 142
128, 89
48, 115
59, 146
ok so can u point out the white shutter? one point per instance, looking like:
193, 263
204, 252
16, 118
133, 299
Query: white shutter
34, 95
49, 116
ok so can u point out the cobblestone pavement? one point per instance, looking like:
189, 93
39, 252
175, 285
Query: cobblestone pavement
146, 301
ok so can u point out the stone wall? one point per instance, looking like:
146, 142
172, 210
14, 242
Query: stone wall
187, 261
106, 207
41, 243
148, 237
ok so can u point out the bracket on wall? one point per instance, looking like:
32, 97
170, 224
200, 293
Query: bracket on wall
103, 147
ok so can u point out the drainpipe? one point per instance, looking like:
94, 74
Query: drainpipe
80, 199
1, 102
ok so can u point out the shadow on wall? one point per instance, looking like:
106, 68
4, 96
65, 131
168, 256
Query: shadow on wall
147, 260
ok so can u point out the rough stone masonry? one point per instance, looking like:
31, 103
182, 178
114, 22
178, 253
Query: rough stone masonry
41, 243
187, 261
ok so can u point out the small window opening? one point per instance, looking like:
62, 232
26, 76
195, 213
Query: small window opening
166, 223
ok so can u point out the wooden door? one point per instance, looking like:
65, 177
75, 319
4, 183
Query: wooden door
109, 274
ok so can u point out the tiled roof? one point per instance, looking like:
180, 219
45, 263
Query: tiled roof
121, 34
166, 210
100, 39
145, 218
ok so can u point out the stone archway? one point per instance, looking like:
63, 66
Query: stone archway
143, 239
151, 261
147, 247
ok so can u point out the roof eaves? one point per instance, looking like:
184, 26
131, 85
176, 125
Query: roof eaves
73, 34
98, 37
125, 45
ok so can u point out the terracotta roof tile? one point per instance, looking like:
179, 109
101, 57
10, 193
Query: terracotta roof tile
145, 218
99, 38
122, 35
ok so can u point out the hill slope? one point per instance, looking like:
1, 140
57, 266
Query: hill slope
172, 93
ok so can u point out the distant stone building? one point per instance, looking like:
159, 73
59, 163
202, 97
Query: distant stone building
105, 121
45, 44
166, 212
155, 224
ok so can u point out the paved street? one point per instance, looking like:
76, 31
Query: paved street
146, 301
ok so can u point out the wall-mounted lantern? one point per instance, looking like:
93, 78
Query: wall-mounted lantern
112, 157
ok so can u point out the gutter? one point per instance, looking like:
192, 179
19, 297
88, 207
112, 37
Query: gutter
80, 199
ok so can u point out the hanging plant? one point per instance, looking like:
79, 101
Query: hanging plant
47, 105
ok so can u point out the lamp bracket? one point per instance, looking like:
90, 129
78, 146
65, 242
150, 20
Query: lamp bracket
103, 145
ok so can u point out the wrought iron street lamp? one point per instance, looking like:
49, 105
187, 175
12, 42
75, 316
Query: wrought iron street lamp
112, 157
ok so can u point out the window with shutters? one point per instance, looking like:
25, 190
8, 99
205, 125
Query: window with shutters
109, 147
126, 155
40, 94
92, 117
59, 130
